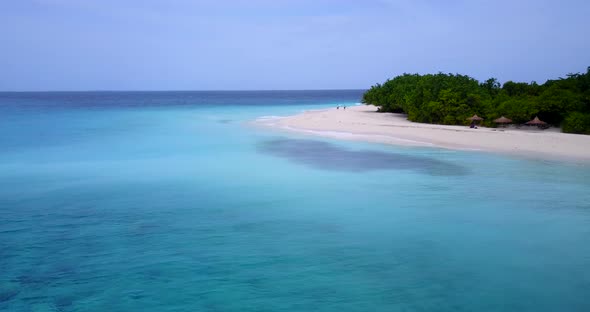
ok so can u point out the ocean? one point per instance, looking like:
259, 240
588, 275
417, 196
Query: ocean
176, 201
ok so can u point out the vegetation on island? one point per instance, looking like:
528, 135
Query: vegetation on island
451, 98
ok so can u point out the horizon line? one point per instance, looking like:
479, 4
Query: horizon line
179, 90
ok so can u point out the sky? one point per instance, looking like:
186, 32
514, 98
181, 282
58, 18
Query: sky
48, 45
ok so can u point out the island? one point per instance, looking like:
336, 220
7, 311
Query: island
435, 110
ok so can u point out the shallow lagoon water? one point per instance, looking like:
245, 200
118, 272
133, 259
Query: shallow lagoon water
172, 202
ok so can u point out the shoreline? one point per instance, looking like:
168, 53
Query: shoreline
364, 123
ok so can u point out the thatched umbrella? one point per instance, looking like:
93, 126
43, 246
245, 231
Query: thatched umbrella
535, 122
503, 120
475, 118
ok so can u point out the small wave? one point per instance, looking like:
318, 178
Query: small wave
314, 110
271, 117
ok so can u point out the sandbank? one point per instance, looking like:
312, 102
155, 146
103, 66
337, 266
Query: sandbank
364, 123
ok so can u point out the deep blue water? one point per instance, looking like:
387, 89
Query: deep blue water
173, 201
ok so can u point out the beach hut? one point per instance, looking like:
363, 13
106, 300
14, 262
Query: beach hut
503, 121
475, 118
535, 122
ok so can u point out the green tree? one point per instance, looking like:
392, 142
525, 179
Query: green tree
451, 98
577, 122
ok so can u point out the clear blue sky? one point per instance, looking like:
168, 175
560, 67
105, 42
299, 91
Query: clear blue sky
274, 44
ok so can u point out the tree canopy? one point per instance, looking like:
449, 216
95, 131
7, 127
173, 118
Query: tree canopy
451, 98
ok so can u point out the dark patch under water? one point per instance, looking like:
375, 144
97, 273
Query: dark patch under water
6, 295
323, 155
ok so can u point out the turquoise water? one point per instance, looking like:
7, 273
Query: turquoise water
173, 202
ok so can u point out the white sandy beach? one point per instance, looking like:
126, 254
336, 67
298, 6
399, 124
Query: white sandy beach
365, 124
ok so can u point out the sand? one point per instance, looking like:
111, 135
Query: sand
364, 123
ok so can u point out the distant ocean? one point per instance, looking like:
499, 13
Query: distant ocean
173, 201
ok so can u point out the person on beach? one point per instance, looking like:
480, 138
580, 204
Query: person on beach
338, 107
344, 107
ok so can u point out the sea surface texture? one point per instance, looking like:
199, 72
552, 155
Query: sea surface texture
174, 201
